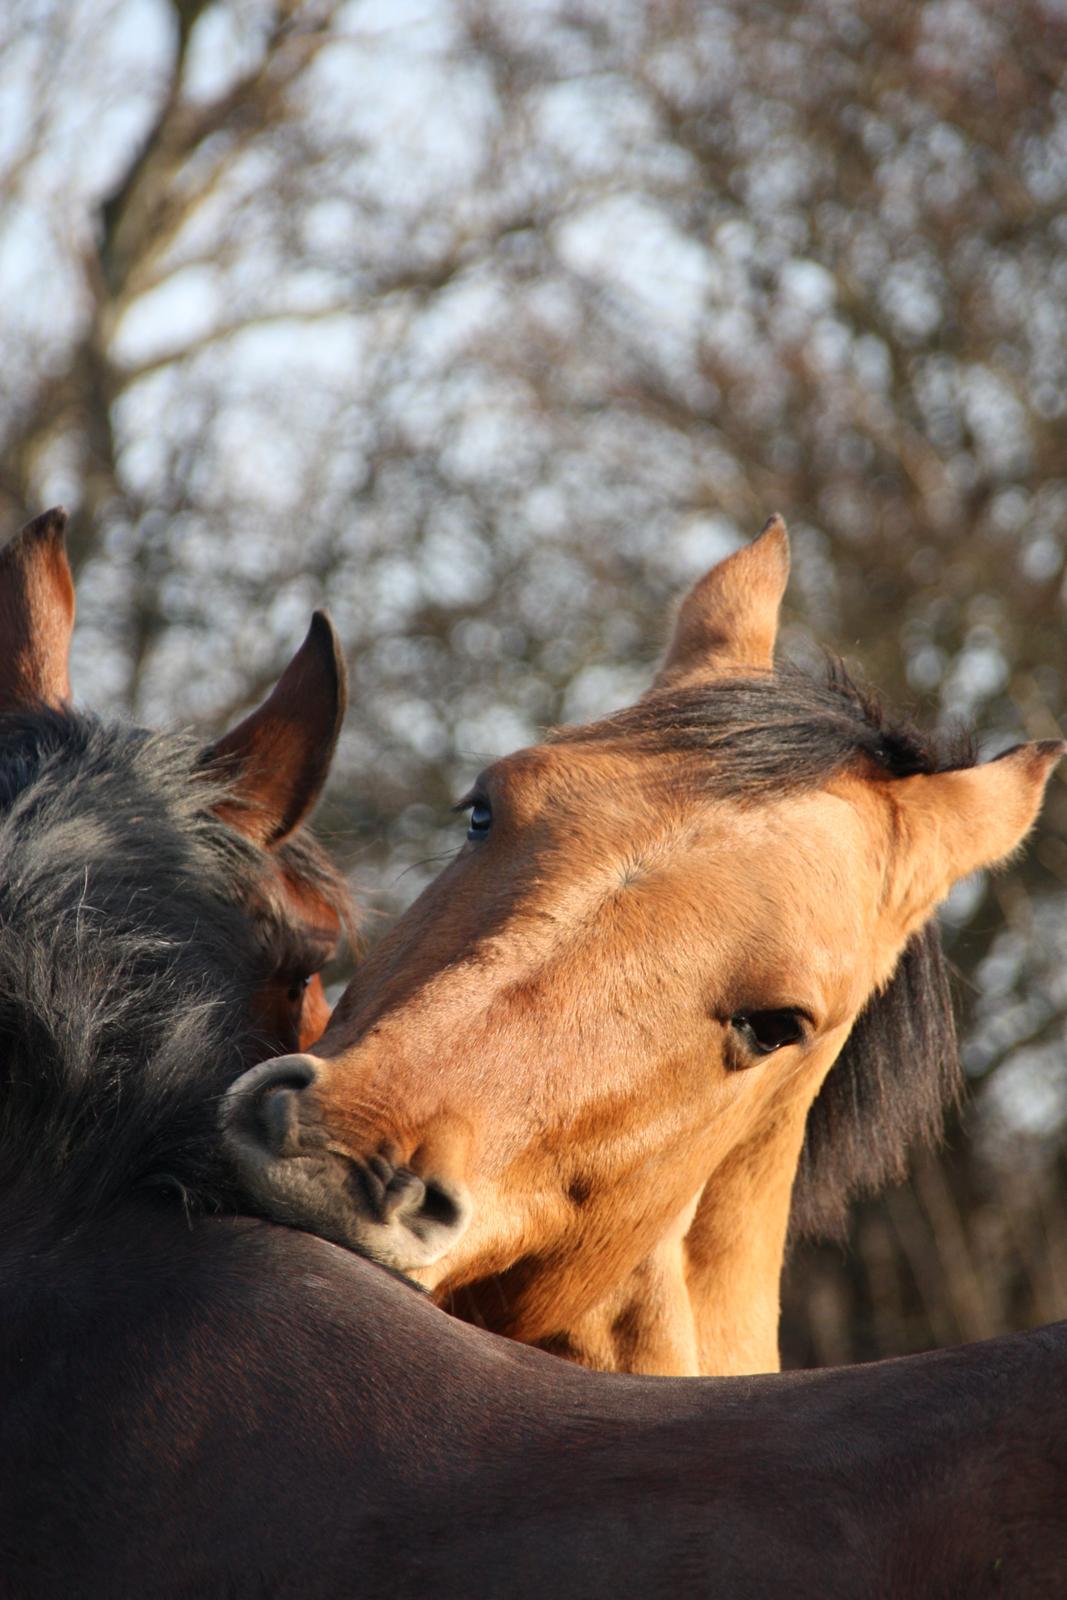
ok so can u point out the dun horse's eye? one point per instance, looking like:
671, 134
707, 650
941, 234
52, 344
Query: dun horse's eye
481, 819
764, 1032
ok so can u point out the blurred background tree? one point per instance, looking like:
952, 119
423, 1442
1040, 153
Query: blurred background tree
491, 323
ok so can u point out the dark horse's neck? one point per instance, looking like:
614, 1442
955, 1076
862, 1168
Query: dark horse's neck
237, 1409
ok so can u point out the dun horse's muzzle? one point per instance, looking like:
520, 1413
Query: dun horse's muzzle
374, 1204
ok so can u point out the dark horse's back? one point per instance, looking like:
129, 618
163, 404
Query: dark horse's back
234, 1409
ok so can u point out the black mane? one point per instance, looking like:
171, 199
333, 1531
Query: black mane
786, 731
135, 927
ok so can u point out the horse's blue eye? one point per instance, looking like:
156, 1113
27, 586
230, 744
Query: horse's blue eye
481, 820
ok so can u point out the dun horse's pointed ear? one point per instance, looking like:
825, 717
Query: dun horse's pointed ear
36, 615
728, 622
957, 822
280, 755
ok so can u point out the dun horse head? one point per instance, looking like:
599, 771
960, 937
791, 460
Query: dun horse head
569, 1091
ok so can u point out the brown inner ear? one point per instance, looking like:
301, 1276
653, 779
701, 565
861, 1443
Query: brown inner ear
280, 755
36, 615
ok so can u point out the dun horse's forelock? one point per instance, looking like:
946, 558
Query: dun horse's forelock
753, 737
126, 952
783, 730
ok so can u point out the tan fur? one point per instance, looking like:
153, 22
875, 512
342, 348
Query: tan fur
729, 619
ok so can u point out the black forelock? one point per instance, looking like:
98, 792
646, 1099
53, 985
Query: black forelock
787, 731
127, 961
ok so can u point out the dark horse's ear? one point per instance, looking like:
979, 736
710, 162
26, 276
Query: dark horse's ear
279, 756
36, 615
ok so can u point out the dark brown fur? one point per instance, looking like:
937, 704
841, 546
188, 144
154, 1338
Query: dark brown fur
238, 1412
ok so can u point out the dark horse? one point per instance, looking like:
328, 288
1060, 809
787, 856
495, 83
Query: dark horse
205, 1404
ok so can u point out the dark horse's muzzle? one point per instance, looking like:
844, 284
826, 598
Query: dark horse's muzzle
372, 1203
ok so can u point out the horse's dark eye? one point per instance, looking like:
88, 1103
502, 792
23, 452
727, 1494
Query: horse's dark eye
764, 1032
297, 988
481, 819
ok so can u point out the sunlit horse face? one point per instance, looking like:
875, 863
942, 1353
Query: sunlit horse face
274, 765
568, 1091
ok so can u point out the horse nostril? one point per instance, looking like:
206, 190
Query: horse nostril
388, 1190
440, 1205
276, 1112
285, 1072
403, 1192
263, 1106
388, 1193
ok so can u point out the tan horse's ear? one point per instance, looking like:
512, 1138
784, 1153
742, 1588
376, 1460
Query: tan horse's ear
728, 622
36, 615
280, 754
954, 823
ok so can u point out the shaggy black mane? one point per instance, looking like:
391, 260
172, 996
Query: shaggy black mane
786, 731
135, 926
